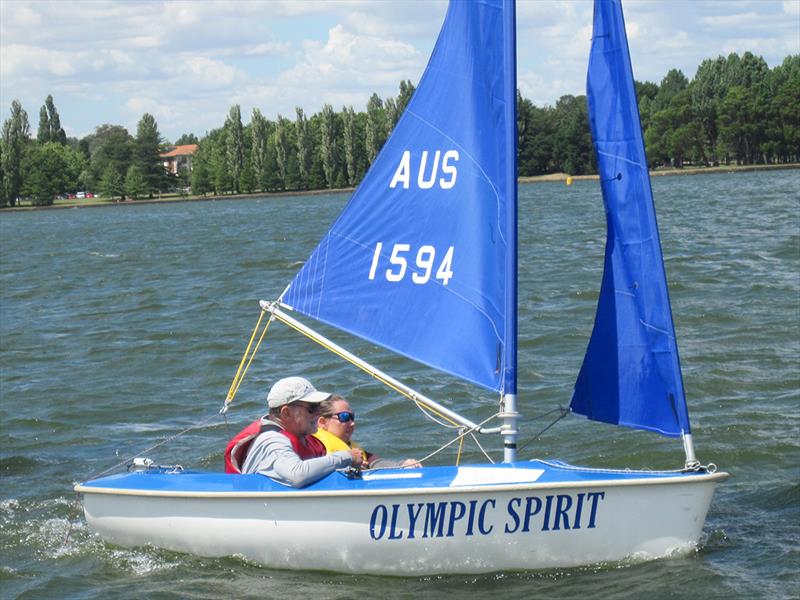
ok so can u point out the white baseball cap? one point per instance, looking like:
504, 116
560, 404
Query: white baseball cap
294, 389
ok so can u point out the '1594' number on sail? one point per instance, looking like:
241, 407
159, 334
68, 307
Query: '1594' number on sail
421, 265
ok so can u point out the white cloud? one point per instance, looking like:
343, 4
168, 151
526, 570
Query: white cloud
203, 72
347, 65
21, 59
186, 62
22, 15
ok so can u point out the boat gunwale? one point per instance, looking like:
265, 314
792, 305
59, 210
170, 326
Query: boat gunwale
294, 493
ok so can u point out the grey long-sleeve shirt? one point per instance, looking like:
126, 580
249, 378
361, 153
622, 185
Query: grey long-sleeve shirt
271, 454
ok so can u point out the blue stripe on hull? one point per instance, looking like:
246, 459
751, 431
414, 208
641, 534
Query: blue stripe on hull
429, 478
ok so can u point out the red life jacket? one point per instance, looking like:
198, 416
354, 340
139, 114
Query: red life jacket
236, 450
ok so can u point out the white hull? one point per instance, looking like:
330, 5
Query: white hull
403, 532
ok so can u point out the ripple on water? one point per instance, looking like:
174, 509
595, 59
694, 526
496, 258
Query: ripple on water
114, 342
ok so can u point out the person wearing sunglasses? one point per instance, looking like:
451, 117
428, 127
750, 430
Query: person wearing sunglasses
335, 426
280, 444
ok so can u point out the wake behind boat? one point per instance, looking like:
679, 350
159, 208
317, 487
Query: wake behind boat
422, 261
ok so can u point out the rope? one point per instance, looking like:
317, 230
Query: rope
246, 357
477, 443
563, 412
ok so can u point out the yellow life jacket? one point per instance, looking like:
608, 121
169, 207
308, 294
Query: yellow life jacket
334, 443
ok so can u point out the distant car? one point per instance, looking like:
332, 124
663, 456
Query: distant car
89, 195
80, 195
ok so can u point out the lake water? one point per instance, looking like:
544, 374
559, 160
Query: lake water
123, 326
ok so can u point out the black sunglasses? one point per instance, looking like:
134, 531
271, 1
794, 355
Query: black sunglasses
311, 408
345, 416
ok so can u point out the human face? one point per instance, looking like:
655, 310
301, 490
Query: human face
300, 418
344, 431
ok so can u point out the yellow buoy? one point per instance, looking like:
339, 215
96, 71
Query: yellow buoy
569, 179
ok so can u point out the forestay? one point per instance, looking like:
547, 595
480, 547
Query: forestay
422, 259
631, 373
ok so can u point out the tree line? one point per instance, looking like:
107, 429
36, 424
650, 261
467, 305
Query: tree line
736, 110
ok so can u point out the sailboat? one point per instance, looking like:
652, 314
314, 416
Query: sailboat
422, 261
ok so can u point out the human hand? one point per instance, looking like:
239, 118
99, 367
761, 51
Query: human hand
411, 463
358, 457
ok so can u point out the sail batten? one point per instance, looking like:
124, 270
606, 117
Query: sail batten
631, 373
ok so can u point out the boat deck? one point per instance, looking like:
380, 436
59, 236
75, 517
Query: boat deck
529, 474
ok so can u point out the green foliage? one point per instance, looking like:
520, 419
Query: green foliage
16, 136
135, 182
109, 146
572, 142
111, 184
186, 139
327, 144
201, 172
303, 147
259, 148
376, 127
735, 109
406, 91
46, 172
43, 133
248, 178
234, 145
349, 138
280, 140
145, 155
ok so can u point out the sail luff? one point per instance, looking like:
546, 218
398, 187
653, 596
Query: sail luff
510, 74
631, 372
509, 382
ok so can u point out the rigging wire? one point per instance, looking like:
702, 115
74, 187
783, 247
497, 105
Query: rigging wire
562, 412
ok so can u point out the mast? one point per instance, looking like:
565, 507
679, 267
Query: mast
509, 412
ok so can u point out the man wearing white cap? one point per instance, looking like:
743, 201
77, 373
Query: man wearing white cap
280, 444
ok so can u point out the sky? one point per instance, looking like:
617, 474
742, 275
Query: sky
187, 63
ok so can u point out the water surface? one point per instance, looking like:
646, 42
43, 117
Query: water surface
120, 327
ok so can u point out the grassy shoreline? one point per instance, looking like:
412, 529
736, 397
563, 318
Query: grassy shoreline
552, 177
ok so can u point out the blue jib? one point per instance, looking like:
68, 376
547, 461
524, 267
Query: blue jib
631, 373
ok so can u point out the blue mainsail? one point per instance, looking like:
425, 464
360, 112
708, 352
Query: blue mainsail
423, 258
631, 372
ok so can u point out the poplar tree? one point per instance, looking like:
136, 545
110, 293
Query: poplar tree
57, 133
281, 141
327, 144
376, 127
234, 145
303, 147
349, 136
43, 133
406, 91
16, 134
259, 135
392, 115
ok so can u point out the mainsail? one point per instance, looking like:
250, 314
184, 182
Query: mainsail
423, 258
631, 372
